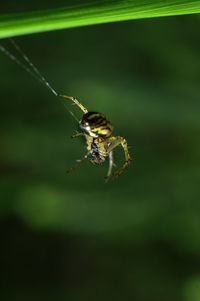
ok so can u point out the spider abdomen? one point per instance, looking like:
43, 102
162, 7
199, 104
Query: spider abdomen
96, 124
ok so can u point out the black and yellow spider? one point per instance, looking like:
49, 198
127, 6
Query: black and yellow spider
97, 130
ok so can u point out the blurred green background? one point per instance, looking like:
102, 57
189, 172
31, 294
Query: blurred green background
69, 236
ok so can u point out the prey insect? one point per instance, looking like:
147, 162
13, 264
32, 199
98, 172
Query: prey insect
94, 126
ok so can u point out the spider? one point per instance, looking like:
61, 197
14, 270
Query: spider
100, 144
94, 126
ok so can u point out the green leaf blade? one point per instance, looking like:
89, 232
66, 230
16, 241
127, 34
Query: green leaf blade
91, 14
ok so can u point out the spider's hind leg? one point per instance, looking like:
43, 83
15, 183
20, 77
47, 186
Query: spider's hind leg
110, 166
115, 141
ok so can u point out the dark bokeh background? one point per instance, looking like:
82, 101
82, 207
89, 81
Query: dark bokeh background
70, 237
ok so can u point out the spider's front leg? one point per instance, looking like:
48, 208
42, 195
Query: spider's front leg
114, 142
77, 135
75, 101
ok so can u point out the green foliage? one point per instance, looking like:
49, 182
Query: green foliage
92, 13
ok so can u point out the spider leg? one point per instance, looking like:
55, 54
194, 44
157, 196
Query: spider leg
75, 101
77, 135
110, 166
79, 162
115, 142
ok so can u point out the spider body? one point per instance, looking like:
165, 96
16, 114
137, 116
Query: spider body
100, 144
96, 129
95, 125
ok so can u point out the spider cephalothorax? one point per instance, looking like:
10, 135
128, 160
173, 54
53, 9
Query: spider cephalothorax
100, 144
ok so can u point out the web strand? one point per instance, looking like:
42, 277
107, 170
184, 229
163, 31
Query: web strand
31, 68
18, 62
34, 68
